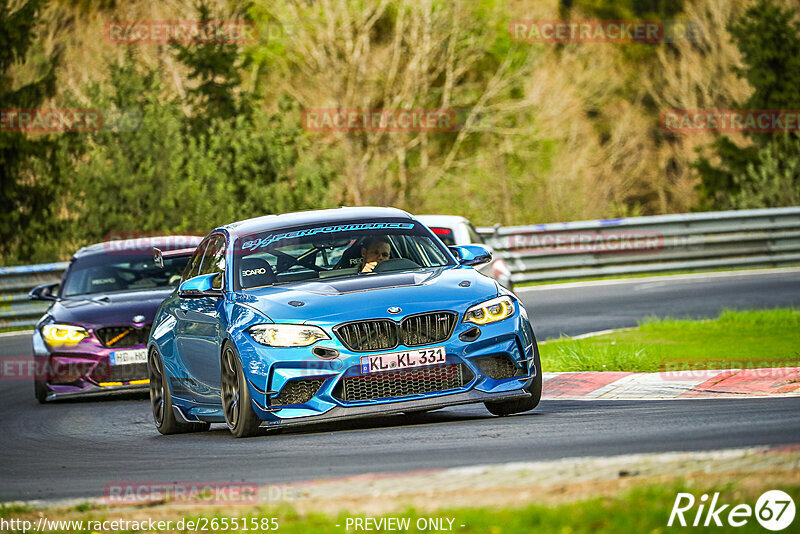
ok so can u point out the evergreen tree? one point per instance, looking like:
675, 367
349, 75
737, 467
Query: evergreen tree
216, 69
768, 35
27, 198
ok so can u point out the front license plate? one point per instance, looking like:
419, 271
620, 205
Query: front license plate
125, 357
402, 360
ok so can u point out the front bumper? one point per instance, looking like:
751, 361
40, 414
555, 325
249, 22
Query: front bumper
269, 370
84, 370
340, 413
92, 390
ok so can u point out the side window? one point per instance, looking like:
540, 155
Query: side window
193, 267
214, 259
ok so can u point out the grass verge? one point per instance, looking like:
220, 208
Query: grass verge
641, 508
646, 275
734, 340
3, 330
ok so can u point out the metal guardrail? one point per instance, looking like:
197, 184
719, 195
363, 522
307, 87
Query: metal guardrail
561, 251
16, 309
685, 242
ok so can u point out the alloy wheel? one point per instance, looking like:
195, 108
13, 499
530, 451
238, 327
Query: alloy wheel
230, 388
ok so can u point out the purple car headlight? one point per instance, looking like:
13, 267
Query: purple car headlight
63, 335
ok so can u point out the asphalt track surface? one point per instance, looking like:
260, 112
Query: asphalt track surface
73, 449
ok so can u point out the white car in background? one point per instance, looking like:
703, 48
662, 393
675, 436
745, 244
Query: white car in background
455, 230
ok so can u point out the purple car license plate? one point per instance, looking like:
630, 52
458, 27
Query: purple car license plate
127, 357
402, 360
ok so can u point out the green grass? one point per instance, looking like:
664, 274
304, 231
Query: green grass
737, 339
16, 329
643, 509
644, 275
12, 510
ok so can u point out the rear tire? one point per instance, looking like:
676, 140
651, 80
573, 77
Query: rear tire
161, 400
236, 403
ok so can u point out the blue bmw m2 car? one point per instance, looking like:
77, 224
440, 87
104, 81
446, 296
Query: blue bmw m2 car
334, 314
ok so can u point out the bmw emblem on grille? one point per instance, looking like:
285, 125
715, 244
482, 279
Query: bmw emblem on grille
138, 318
394, 309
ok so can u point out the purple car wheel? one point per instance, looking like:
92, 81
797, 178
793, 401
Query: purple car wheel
40, 390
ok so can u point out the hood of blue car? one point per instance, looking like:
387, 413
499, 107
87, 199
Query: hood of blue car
371, 296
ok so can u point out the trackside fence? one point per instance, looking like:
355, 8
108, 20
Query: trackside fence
16, 309
562, 251
684, 242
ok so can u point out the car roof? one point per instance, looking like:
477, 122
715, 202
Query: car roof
139, 245
284, 220
442, 220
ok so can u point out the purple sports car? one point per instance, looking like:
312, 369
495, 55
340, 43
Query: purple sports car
93, 338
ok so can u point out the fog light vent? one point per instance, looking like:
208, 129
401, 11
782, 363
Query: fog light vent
498, 367
298, 391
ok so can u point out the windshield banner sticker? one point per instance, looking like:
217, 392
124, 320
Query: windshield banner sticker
266, 241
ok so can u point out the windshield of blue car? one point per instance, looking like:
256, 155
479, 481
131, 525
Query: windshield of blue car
334, 251
109, 273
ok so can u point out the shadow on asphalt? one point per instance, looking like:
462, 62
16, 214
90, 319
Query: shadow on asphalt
105, 398
437, 417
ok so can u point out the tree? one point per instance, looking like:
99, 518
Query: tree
27, 199
394, 55
159, 175
216, 69
768, 36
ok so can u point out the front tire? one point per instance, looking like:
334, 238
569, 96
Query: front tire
521, 405
236, 404
40, 390
527, 404
161, 400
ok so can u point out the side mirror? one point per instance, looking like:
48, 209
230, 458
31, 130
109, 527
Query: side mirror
44, 292
199, 286
158, 257
472, 254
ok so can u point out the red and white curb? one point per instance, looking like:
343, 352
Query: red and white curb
781, 381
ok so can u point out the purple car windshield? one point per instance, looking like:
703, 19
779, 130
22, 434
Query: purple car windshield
335, 251
113, 272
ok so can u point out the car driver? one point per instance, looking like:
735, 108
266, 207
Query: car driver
374, 251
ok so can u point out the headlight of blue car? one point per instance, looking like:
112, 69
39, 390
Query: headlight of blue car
490, 311
287, 335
